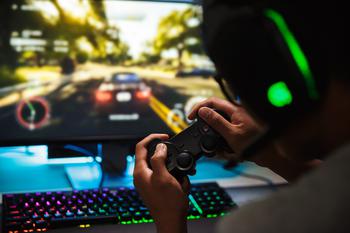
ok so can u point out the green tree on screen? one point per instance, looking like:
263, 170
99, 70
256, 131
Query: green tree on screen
180, 31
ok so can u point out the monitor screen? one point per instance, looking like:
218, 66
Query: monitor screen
99, 69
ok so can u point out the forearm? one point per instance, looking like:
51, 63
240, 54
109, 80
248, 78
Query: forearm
172, 227
272, 158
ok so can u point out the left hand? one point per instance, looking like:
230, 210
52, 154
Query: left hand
165, 196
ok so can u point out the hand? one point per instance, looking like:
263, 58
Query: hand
165, 196
238, 132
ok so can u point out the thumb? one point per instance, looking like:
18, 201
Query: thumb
158, 159
216, 121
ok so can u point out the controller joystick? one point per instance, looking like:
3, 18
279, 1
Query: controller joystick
185, 148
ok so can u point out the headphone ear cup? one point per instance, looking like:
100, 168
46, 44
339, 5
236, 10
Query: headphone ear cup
253, 56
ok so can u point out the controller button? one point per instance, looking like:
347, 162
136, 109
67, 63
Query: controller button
205, 128
184, 160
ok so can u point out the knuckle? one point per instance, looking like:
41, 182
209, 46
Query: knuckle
213, 118
213, 99
142, 143
138, 178
235, 133
238, 137
161, 182
156, 158
210, 99
137, 175
139, 146
203, 102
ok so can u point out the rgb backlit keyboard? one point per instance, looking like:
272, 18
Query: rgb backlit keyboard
38, 212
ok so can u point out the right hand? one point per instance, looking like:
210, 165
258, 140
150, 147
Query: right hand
238, 132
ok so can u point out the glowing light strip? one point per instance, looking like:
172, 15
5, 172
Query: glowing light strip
195, 204
296, 51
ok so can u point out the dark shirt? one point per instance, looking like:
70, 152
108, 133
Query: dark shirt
319, 202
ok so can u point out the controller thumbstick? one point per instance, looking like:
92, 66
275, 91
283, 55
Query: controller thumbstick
208, 144
184, 161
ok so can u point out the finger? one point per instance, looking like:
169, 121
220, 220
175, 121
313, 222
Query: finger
205, 103
216, 121
141, 150
158, 160
215, 103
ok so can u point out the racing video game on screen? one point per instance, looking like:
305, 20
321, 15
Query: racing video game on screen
83, 68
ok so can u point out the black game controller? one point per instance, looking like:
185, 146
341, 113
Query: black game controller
185, 148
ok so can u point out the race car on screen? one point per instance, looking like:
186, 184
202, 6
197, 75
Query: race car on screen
122, 93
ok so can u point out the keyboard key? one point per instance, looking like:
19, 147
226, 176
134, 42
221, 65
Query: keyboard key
65, 222
80, 213
10, 226
38, 212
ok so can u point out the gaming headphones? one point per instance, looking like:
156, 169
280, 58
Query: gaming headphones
270, 55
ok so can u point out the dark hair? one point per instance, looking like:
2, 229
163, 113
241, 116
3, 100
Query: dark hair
253, 57
322, 26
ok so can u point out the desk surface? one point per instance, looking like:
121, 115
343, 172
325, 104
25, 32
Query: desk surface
20, 172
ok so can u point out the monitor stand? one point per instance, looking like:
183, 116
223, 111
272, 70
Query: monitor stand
114, 156
84, 176
91, 175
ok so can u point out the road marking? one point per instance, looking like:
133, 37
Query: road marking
166, 110
163, 111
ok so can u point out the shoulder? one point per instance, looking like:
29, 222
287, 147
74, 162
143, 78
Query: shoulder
317, 203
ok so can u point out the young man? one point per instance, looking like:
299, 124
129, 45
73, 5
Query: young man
302, 130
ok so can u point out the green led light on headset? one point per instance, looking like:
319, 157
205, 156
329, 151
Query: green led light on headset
279, 95
297, 53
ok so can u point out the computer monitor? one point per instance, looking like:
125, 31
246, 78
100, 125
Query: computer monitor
99, 70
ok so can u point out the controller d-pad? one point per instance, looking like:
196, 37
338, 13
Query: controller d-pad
184, 160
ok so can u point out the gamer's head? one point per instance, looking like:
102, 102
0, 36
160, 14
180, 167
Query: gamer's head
287, 61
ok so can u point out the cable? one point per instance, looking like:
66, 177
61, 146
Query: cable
238, 172
79, 149
254, 177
